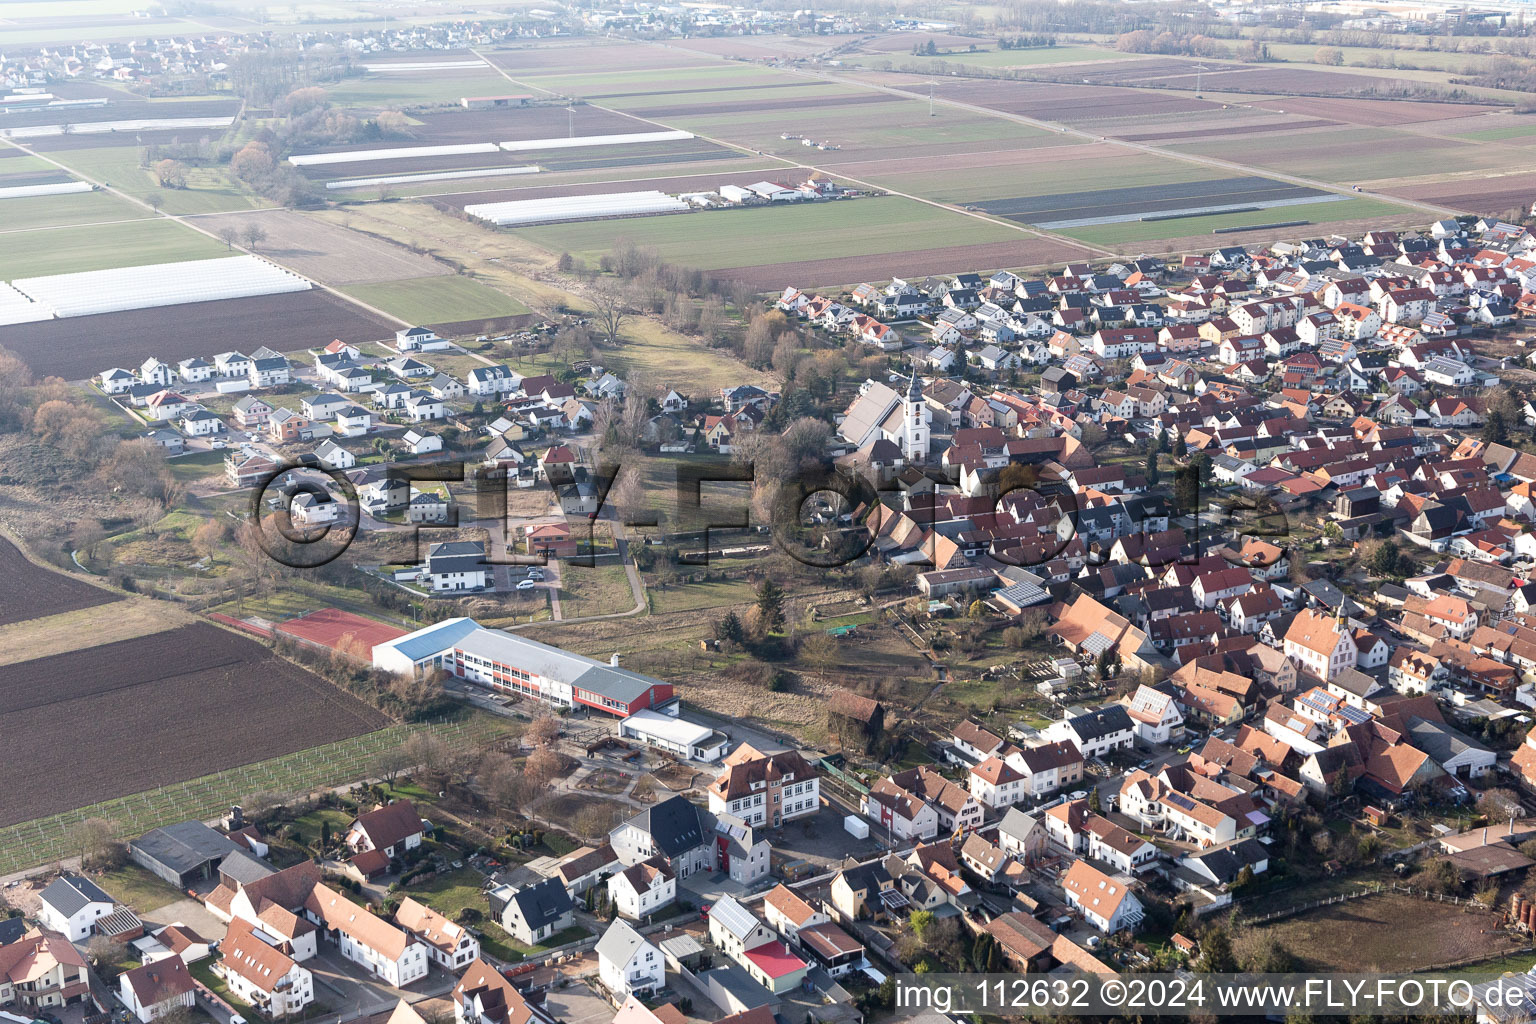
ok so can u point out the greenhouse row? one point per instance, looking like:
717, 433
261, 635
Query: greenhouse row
58, 188
159, 284
581, 141
433, 65
16, 308
410, 179
147, 124
400, 153
546, 211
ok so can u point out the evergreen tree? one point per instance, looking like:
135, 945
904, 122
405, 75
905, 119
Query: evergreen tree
1386, 561
770, 606
729, 629
1216, 953
1153, 473
1495, 428
1179, 448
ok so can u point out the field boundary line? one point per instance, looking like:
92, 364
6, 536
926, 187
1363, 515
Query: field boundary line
40, 841
185, 221
796, 164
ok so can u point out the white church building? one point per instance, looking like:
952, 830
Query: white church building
883, 413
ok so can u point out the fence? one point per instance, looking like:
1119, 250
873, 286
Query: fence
1376, 890
42, 840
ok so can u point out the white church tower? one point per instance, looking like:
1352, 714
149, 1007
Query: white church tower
915, 420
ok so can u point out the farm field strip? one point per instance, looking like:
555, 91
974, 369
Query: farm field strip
66, 211
189, 696
714, 240
79, 347
329, 252
1318, 213
437, 301
33, 591
44, 839
1075, 209
65, 250
62, 632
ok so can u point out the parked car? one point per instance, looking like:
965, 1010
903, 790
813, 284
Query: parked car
527, 585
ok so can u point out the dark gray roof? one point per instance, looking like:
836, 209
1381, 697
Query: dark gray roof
68, 894
244, 868
1439, 740
183, 847
12, 929
673, 825
543, 903
1102, 722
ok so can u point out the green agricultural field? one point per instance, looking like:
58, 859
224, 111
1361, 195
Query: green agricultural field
1046, 177
1516, 132
785, 94
776, 234
70, 249
1020, 58
1184, 227
680, 80
209, 189
437, 300
416, 88
59, 211
1350, 155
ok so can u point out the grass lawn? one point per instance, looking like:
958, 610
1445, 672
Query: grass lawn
594, 590
1183, 227
686, 597
75, 208
451, 893
71, 249
203, 972
437, 300
209, 189
714, 240
137, 889
196, 465
308, 828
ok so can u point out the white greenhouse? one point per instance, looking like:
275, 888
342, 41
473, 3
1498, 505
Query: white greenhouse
16, 308
400, 153
148, 124
58, 188
159, 284
410, 179
581, 141
559, 208
425, 65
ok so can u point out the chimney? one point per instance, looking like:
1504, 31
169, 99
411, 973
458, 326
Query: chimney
613, 659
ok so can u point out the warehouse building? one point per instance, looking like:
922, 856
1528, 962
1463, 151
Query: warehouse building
182, 854
513, 664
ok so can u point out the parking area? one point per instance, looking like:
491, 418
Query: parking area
822, 841
577, 1004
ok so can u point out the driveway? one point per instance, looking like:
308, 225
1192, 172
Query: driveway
346, 989
578, 1004
190, 913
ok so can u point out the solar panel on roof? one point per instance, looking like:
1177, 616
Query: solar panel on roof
1097, 644
1354, 715
1181, 801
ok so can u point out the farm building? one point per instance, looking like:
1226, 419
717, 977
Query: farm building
514, 664
182, 854
492, 102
